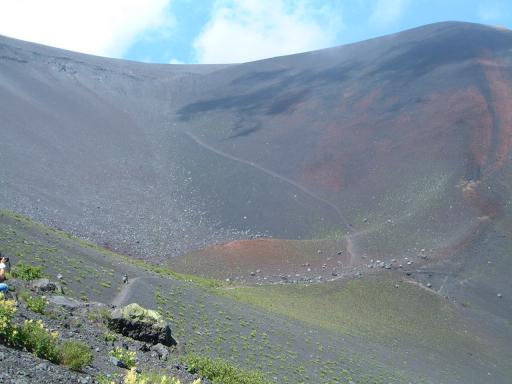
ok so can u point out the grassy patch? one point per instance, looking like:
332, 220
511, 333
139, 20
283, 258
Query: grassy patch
220, 371
36, 338
132, 377
34, 303
75, 354
129, 358
28, 272
369, 307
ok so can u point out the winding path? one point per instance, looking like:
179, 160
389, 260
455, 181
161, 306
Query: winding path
121, 296
269, 172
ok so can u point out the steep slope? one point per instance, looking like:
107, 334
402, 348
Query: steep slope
386, 160
399, 141
363, 330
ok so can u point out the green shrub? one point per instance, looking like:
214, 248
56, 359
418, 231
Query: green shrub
34, 303
110, 336
220, 371
26, 271
75, 354
132, 377
37, 339
127, 357
103, 379
7, 329
32, 335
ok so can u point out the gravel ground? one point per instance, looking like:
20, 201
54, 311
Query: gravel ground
81, 321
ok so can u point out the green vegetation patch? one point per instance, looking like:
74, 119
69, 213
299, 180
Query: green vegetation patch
28, 272
129, 358
34, 303
36, 338
220, 371
371, 307
76, 354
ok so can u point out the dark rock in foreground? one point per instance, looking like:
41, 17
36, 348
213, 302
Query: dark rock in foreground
141, 324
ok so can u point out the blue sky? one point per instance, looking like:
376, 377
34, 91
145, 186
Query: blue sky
214, 31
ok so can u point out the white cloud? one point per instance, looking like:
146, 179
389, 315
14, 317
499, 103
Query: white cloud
247, 30
387, 12
176, 61
490, 12
101, 27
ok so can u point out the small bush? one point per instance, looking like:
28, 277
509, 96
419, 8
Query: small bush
7, 329
103, 379
127, 357
32, 335
110, 336
37, 339
75, 354
34, 303
132, 377
26, 271
220, 371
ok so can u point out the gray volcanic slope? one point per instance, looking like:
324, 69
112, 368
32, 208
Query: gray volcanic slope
405, 135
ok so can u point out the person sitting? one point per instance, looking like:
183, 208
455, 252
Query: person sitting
3, 269
7, 262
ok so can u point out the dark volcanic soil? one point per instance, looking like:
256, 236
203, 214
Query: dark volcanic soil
395, 148
361, 330
158, 160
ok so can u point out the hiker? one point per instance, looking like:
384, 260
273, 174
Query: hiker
125, 278
3, 268
7, 262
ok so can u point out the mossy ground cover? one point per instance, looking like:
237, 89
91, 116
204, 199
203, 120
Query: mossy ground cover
375, 309
373, 306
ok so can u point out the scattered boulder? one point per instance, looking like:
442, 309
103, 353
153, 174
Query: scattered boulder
141, 324
161, 350
45, 286
42, 366
118, 363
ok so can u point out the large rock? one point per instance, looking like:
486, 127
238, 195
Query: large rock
46, 286
141, 324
